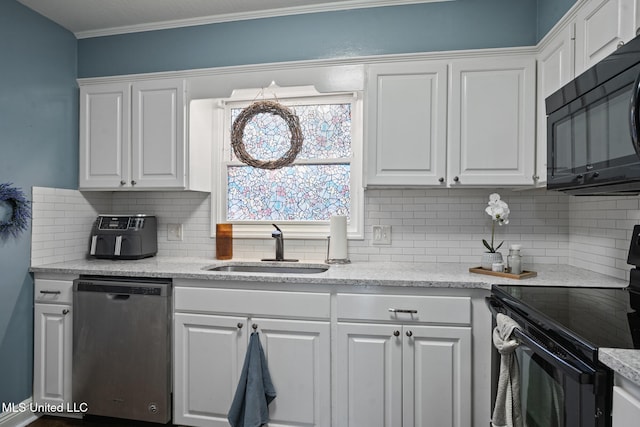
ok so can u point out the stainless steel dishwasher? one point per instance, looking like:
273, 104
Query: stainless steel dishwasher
122, 347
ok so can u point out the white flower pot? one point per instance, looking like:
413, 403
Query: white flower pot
488, 258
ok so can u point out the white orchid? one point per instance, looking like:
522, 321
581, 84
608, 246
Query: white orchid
499, 211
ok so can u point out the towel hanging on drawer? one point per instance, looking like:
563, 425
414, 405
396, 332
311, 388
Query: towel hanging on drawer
255, 390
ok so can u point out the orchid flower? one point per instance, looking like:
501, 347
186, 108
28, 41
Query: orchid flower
498, 210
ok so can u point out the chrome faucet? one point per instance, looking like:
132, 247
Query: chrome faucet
277, 234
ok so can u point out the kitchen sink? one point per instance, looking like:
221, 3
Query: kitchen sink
277, 269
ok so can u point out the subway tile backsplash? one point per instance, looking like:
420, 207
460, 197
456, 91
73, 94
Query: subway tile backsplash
427, 225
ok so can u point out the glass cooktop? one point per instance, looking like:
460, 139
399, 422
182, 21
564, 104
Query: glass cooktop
602, 317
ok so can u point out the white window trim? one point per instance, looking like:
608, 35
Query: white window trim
291, 229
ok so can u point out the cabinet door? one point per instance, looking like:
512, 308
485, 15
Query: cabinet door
555, 69
436, 376
105, 135
158, 134
601, 25
625, 409
406, 123
52, 348
299, 357
208, 358
492, 121
369, 364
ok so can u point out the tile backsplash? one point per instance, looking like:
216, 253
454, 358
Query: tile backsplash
427, 225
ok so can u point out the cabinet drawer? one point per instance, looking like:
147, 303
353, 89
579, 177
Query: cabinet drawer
401, 308
54, 291
253, 303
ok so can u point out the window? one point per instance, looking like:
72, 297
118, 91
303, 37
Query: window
324, 180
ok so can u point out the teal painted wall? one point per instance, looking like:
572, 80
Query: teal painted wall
460, 24
38, 146
549, 12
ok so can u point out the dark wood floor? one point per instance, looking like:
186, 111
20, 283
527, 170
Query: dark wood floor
88, 421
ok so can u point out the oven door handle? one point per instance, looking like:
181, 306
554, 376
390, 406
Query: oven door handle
634, 115
573, 367
583, 374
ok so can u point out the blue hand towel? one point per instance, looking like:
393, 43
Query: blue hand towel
255, 390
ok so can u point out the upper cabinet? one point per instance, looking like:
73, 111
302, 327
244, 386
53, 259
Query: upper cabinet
492, 121
601, 27
406, 123
135, 136
487, 103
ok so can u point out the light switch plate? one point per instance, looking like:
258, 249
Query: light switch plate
174, 232
381, 234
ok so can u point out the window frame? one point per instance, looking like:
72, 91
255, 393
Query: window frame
291, 229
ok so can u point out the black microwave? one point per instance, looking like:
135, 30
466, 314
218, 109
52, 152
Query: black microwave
593, 128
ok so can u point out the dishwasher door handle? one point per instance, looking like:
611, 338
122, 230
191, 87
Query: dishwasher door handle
118, 297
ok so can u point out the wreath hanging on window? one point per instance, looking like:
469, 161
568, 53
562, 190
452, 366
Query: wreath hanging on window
268, 107
18, 207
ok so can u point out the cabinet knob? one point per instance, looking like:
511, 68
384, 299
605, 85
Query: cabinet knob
535, 177
620, 44
409, 334
133, 183
456, 179
441, 179
123, 182
240, 325
254, 326
396, 333
65, 311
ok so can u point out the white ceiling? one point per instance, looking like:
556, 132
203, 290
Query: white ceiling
92, 18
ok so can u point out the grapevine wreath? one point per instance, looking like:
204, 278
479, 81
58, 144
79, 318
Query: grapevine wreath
19, 208
269, 107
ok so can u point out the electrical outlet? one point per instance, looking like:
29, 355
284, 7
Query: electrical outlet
381, 234
174, 232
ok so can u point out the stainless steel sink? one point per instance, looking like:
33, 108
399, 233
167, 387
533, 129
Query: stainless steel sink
277, 269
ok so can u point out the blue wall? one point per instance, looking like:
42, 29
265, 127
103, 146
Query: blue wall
549, 12
38, 146
460, 24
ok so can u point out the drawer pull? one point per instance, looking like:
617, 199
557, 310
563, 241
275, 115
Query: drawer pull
239, 325
409, 334
51, 292
65, 311
401, 310
254, 326
396, 333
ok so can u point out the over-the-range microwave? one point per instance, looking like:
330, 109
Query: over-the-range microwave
593, 128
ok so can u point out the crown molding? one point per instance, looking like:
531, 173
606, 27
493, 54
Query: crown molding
297, 10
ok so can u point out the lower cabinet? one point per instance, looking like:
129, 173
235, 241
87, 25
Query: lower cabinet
626, 403
406, 373
52, 344
210, 351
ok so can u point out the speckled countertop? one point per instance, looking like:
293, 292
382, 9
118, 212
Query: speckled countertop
622, 361
445, 275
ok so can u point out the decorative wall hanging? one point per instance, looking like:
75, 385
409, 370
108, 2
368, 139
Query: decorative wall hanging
18, 210
266, 107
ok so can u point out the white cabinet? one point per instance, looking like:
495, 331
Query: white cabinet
406, 121
52, 345
474, 128
210, 350
555, 69
626, 403
601, 27
492, 121
135, 136
403, 373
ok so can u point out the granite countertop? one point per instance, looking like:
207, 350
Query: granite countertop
444, 275
622, 361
